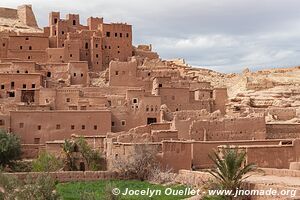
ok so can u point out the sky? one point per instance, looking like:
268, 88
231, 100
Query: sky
223, 35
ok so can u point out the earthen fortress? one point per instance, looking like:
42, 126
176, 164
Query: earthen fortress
70, 80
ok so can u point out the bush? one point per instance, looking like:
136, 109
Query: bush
21, 166
46, 163
10, 147
141, 165
41, 188
93, 158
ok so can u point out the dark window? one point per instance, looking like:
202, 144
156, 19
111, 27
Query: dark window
55, 20
26, 72
36, 140
112, 123
127, 34
24, 85
149, 74
62, 32
26, 38
120, 34
11, 94
2, 122
21, 125
2, 87
30, 47
39, 127
118, 47
116, 34
105, 47
21, 47
86, 45
97, 55
3, 44
134, 100
28, 57
151, 120
12, 85
160, 85
48, 74
96, 45
68, 100
118, 51
71, 55
72, 127
95, 127
109, 47
33, 85
57, 126
123, 122
74, 74
54, 32
18, 71
81, 74
117, 72
83, 127
74, 22
107, 34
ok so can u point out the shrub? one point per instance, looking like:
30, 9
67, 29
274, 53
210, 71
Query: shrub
141, 164
10, 147
40, 188
46, 163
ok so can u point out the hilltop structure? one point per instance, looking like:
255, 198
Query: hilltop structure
71, 80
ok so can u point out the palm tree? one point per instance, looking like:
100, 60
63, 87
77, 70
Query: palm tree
232, 169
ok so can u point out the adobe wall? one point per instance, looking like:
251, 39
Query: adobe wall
8, 13
68, 176
201, 150
25, 14
229, 129
282, 130
122, 73
37, 127
282, 113
30, 151
176, 155
281, 157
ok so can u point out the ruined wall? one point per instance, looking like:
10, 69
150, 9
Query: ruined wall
229, 129
282, 130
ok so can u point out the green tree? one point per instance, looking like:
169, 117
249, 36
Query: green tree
46, 163
92, 157
231, 169
10, 147
69, 148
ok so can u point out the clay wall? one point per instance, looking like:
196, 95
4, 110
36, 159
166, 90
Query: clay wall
201, 150
220, 99
282, 113
8, 13
229, 129
117, 42
282, 130
12, 82
68, 176
37, 127
123, 73
176, 155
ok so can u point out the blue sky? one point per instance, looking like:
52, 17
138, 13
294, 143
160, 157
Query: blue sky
225, 35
